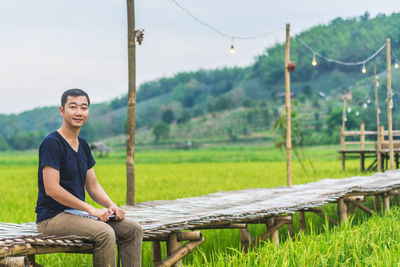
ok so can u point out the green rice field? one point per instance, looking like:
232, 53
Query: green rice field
171, 174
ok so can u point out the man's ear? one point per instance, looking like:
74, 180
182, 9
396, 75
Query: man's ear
61, 110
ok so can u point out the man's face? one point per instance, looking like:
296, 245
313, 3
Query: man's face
75, 111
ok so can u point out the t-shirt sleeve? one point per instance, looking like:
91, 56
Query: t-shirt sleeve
50, 154
90, 160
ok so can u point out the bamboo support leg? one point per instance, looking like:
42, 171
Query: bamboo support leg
377, 203
181, 252
385, 200
245, 239
362, 162
302, 221
32, 262
173, 245
342, 210
274, 236
157, 258
290, 227
343, 161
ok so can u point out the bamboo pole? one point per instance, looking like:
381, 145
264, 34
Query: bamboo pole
173, 245
14, 262
389, 90
156, 245
181, 252
245, 239
302, 221
342, 210
131, 118
274, 234
378, 141
385, 200
288, 113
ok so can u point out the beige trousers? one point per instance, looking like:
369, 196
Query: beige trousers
126, 233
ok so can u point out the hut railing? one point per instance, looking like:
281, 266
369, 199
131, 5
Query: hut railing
382, 137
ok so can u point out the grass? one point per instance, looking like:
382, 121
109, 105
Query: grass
171, 174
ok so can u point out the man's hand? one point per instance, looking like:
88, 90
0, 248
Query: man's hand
119, 213
101, 214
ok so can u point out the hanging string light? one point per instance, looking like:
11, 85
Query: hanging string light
364, 69
219, 32
396, 64
314, 61
363, 62
232, 49
357, 113
348, 109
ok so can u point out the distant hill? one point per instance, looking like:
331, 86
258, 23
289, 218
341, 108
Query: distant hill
234, 102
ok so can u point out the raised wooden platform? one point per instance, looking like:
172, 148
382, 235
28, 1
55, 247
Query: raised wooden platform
168, 221
362, 154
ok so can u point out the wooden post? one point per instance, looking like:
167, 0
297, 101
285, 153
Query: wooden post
362, 141
385, 200
302, 221
157, 258
377, 203
390, 102
342, 210
275, 235
362, 136
378, 140
344, 118
131, 118
288, 113
172, 246
245, 238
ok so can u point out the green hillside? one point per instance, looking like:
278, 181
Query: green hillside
246, 103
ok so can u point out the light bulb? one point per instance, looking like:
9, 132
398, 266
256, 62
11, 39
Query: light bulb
391, 103
345, 118
357, 113
364, 70
314, 61
232, 49
379, 111
368, 101
349, 109
365, 105
396, 64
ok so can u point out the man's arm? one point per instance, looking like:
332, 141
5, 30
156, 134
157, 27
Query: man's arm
98, 194
51, 182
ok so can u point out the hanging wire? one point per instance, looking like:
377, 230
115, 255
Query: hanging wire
222, 33
339, 61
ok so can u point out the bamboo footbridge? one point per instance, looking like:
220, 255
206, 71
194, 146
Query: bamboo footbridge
169, 221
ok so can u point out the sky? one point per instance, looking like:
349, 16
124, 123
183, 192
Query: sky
49, 46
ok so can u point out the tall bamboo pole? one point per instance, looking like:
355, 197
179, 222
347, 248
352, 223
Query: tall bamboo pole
131, 120
378, 128
389, 90
288, 113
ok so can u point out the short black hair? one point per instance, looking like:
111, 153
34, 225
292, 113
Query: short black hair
73, 92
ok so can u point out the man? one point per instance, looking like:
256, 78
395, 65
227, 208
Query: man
65, 170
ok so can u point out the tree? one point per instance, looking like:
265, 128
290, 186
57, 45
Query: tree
168, 116
161, 131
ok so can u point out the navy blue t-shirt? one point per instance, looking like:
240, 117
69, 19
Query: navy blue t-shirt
73, 166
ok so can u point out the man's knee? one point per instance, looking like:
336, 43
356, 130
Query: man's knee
136, 230
104, 236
